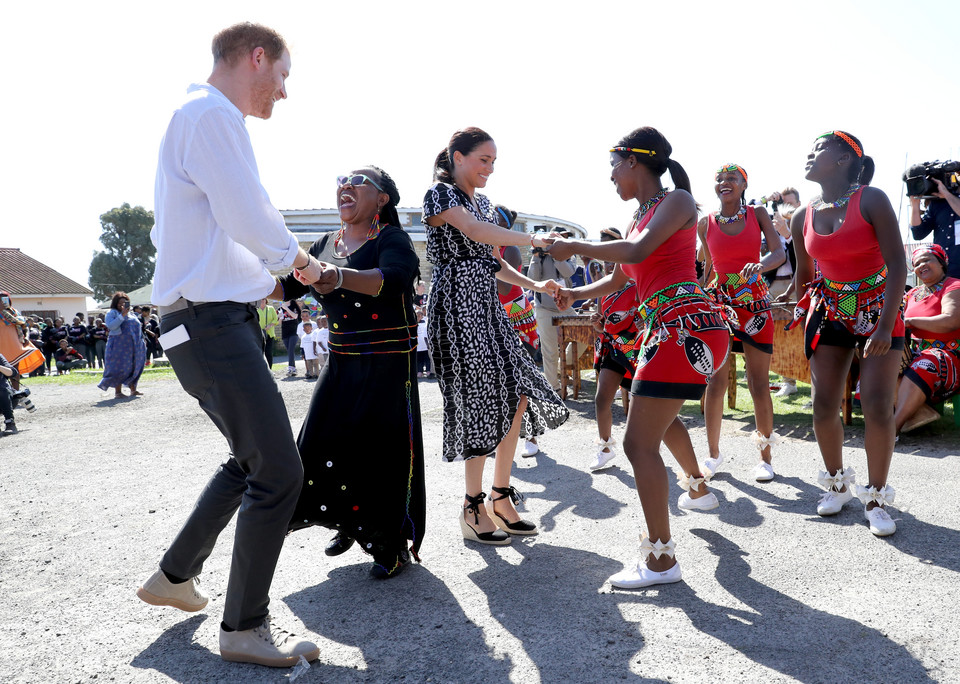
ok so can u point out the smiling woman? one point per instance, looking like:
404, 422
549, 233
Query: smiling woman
730, 240
361, 442
492, 391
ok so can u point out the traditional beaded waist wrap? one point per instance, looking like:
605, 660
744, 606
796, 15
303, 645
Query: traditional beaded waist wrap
845, 300
744, 292
951, 347
842, 300
398, 340
678, 295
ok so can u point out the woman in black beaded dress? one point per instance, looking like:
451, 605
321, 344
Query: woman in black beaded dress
361, 442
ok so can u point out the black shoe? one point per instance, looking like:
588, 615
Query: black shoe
474, 507
519, 527
389, 566
339, 544
10, 428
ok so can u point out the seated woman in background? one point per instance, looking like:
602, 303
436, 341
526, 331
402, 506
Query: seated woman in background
932, 312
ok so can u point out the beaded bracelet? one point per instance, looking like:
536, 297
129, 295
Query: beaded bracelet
380, 289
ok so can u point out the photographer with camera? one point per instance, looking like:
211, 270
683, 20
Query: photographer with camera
544, 267
942, 215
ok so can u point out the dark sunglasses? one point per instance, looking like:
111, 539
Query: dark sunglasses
355, 180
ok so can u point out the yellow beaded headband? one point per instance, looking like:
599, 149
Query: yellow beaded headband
652, 153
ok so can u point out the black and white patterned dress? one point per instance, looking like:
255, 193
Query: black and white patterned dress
482, 366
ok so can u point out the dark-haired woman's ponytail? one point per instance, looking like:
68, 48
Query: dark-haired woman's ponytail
442, 169
680, 179
866, 171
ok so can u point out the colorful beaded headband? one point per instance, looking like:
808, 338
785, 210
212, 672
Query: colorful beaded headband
845, 138
726, 168
934, 249
652, 153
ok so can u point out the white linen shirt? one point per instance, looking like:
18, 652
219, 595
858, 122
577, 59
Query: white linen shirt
216, 232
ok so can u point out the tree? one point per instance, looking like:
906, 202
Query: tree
128, 260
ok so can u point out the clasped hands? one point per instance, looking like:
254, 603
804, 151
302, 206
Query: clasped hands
321, 275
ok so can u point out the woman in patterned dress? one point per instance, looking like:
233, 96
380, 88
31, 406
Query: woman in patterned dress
932, 312
851, 231
683, 338
492, 391
730, 239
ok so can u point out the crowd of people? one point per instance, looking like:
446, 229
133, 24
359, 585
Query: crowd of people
666, 323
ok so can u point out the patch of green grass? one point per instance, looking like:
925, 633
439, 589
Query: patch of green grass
92, 377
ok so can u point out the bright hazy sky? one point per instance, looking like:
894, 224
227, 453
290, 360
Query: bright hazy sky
555, 83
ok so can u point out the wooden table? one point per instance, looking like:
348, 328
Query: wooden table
574, 328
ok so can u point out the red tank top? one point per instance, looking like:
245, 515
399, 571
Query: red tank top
514, 292
931, 305
852, 252
675, 261
730, 253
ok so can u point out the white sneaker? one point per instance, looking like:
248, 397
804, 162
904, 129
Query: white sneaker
763, 472
639, 576
831, 502
159, 591
881, 524
603, 458
266, 645
704, 503
291, 371
530, 448
786, 390
711, 464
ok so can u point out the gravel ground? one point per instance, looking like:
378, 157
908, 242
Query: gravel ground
93, 490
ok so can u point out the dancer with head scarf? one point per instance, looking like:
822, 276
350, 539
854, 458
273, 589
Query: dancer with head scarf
932, 313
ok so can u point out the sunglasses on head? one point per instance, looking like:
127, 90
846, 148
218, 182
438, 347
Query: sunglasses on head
355, 180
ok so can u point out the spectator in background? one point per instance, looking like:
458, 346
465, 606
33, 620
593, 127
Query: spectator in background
311, 350
518, 306
99, 335
323, 340
7, 371
35, 335
68, 358
51, 336
151, 333
126, 352
289, 323
304, 318
268, 324
423, 348
544, 267
77, 336
942, 218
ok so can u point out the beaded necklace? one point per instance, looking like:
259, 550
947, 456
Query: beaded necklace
649, 204
923, 290
724, 220
819, 204
372, 234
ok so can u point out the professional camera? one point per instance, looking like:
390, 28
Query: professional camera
919, 178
